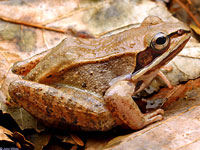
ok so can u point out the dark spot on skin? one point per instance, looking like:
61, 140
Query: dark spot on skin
75, 122
96, 105
61, 71
112, 110
49, 76
48, 111
63, 119
138, 84
62, 78
84, 85
92, 122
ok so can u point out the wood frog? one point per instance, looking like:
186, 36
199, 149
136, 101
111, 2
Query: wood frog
88, 84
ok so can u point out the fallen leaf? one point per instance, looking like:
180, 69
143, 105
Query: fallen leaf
7, 141
177, 132
4, 134
195, 28
39, 140
25, 144
77, 139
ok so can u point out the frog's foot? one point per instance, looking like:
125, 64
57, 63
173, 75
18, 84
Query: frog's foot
119, 101
154, 116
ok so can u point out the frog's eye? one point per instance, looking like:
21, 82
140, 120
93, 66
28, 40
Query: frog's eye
160, 41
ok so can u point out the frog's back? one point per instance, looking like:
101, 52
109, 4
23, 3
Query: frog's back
87, 64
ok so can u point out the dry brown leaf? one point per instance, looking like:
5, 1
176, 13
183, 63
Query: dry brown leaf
74, 147
71, 138
95, 144
4, 134
168, 96
6, 59
7, 140
39, 140
66, 139
195, 28
175, 133
25, 144
77, 139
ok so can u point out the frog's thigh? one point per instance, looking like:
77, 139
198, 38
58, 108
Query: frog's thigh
119, 101
62, 107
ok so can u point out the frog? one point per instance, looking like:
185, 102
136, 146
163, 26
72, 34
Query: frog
88, 84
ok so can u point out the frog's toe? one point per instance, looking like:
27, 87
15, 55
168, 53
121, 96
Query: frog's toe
155, 113
154, 116
153, 119
159, 111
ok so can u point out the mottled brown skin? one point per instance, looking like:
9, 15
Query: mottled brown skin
88, 84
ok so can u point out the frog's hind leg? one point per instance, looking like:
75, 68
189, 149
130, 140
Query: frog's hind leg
24, 67
62, 106
119, 100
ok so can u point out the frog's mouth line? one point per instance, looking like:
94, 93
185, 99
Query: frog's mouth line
164, 59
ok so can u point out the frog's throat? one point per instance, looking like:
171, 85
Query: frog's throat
164, 58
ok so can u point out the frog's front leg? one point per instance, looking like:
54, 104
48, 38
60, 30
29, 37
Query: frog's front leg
119, 101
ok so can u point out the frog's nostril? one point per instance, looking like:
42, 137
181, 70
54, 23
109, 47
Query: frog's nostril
180, 31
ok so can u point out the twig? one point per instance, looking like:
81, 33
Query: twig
31, 24
189, 12
189, 1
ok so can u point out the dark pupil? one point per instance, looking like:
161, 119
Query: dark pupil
161, 40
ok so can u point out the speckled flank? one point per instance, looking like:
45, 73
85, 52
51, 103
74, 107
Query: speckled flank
62, 107
94, 77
